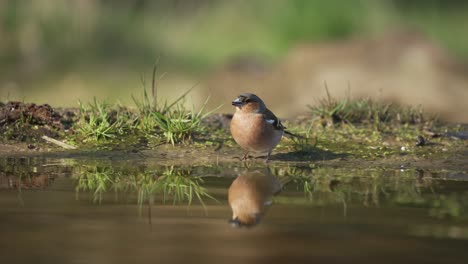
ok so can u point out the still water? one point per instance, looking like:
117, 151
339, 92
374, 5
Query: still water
117, 211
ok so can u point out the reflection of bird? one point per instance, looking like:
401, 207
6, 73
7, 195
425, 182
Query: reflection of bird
254, 127
249, 195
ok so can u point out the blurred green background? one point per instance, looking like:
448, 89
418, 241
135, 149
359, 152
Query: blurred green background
59, 51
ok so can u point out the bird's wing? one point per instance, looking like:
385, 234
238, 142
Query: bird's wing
271, 119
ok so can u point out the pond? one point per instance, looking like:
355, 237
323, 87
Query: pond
105, 210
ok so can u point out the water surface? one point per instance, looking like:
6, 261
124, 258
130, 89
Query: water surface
118, 211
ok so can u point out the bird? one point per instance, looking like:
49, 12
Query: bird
249, 196
254, 127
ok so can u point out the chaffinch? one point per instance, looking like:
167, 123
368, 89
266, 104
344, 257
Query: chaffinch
249, 195
254, 127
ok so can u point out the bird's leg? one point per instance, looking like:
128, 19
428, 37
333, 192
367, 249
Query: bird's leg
268, 156
246, 155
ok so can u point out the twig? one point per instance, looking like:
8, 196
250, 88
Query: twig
58, 143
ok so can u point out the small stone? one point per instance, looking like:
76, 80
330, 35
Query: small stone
420, 141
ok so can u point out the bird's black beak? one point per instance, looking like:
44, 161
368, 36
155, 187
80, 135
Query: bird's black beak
237, 102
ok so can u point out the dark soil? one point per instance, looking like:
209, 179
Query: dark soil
28, 122
31, 113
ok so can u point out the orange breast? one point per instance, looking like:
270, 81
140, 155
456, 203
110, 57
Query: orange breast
252, 133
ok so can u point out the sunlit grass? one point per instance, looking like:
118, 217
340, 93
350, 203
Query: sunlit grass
306, 142
333, 110
145, 121
362, 128
179, 125
170, 121
97, 121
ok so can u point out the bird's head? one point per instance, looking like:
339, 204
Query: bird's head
248, 220
249, 103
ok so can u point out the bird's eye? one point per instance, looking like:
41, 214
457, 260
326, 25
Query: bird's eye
248, 100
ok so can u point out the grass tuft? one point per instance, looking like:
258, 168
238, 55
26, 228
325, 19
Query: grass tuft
179, 125
97, 121
170, 121
334, 111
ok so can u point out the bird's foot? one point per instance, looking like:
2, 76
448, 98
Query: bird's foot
245, 157
268, 157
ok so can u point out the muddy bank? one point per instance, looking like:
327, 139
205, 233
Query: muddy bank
226, 156
395, 145
28, 122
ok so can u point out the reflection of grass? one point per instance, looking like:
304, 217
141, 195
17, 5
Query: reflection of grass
450, 206
182, 188
374, 188
363, 186
172, 184
96, 180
